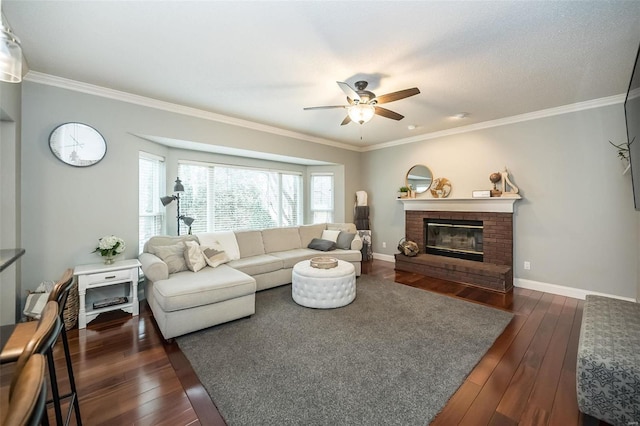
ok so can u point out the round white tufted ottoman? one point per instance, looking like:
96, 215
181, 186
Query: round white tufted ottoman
323, 288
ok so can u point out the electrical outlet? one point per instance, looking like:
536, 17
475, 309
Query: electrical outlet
527, 265
384, 244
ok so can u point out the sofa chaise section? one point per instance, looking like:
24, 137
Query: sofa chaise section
188, 301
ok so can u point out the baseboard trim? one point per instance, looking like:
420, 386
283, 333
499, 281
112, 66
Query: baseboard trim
576, 293
385, 257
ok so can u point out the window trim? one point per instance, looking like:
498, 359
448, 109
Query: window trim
332, 210
160, 185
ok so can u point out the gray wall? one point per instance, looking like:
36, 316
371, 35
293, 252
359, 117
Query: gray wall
66, 209
10, 118
576, 224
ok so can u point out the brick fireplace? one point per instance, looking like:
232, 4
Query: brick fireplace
493, 270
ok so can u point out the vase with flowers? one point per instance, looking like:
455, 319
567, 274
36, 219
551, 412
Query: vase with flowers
109, 246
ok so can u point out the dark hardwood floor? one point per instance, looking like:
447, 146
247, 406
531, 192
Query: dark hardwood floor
126, 374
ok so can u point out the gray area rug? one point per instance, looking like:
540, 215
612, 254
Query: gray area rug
393, 356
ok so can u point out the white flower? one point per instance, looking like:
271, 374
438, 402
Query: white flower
110, 245
121, 247
107, 243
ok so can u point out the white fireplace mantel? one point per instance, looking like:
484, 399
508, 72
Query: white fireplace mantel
490, 205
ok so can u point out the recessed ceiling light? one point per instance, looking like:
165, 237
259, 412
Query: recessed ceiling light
411, 127
461, 115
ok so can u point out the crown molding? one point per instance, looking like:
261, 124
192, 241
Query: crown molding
635, 93
550, 112
91, 89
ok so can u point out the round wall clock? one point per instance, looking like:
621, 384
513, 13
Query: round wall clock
77, 144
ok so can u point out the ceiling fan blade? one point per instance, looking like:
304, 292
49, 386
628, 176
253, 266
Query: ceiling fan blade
346, 120
325, 107
388, 113
390, 97
349, 91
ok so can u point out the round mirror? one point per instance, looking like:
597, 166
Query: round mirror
419, 178
77, 144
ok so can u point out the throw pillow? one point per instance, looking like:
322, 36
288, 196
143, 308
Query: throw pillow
322, 245
330, 235
226, 239
173, 256
193, 256
344, 240
309, 232
35, 304
215, 256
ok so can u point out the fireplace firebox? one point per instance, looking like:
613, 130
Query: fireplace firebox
461, 239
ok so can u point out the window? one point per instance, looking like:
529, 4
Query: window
221, 197
322, 197
150, 185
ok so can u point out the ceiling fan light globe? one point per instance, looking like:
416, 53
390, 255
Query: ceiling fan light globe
10, 56
361, 113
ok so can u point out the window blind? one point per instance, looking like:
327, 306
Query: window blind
222, 197
150, 183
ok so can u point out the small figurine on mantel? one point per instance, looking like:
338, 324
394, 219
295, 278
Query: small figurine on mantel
508, 188
513, 191
495, 178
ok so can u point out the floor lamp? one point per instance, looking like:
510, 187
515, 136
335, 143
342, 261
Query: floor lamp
178, 188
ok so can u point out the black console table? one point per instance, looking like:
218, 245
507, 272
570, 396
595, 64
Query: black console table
8, 256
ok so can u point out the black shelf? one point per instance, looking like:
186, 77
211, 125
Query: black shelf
8, 256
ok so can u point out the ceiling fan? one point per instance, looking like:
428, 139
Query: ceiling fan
363, 104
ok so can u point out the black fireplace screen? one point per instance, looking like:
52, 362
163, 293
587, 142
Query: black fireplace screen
454, 238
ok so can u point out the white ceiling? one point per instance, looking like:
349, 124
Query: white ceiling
264, 61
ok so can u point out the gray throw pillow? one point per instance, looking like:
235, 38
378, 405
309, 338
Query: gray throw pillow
344, 240
322, 245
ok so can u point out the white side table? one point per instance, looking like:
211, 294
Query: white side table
100, 275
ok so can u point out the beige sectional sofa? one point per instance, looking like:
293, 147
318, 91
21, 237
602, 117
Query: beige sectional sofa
186, 301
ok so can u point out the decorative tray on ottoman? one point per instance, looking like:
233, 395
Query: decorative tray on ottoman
324, 262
